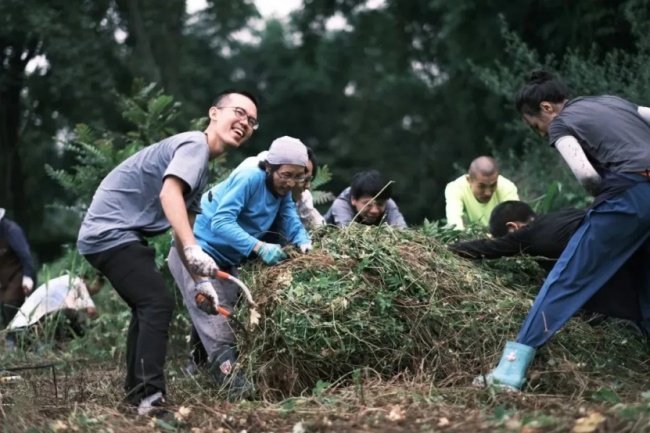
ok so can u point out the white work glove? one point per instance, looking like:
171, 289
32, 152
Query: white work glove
28, 284
206, 297
305, 248
198, 262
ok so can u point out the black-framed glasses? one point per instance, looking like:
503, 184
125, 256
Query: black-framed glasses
243, 115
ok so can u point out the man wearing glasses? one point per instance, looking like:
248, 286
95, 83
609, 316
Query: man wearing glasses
235, 215
157, 188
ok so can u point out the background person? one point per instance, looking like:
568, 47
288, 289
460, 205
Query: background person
17, 271
366, 201
472, 197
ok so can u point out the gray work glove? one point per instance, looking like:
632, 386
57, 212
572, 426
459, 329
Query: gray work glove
206, 297
198, 262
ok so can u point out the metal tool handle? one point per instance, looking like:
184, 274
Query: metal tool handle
216, 308
245, 289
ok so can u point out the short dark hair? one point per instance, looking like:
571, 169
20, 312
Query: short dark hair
370, 183
541, 85
509, 211
225, 93
312, 158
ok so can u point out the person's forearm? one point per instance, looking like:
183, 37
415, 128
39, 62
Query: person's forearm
257, 246
394, 217
579, 164
506, 246
455, 220
18, 243
454, 211
173, 205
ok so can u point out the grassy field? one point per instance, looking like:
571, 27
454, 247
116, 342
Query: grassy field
376, 331
87, 399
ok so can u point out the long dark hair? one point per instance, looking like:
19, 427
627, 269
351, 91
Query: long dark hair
541, 86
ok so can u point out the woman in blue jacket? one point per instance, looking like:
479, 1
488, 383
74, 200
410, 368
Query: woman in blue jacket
235, 215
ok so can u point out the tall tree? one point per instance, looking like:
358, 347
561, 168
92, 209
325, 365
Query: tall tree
59, 34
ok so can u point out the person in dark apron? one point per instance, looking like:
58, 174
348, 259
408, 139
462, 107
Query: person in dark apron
17, 271
605, 140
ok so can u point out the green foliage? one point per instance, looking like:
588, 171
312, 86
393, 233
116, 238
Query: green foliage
97, 153
152, 111
322, 177
449, 235
71, 262
395, 89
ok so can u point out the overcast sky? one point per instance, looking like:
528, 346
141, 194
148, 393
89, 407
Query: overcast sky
267, 8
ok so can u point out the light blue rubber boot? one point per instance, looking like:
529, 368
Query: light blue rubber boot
511, 371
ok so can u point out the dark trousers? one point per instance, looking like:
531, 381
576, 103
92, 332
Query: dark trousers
197, 349
132, 271
8, 310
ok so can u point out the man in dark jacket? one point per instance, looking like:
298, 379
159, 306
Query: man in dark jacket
517, 230
17, 270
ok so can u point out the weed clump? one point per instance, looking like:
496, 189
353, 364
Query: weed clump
398, 302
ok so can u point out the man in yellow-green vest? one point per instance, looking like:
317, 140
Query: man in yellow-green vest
471, 197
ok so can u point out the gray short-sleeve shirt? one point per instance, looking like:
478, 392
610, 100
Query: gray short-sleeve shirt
127, 206
610, 130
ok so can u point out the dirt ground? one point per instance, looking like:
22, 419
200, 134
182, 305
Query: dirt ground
86, 397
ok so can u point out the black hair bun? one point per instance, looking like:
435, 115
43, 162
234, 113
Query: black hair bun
540, 76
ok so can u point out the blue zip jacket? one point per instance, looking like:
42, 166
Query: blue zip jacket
237, 212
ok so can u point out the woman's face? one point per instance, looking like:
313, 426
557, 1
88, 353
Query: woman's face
300, 187
286, 178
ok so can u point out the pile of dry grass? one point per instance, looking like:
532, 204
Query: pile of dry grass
397, 302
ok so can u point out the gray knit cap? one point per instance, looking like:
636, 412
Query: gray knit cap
2, 213
287, 150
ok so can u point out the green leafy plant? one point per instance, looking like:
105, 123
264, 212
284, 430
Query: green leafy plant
97, 153
323, 176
